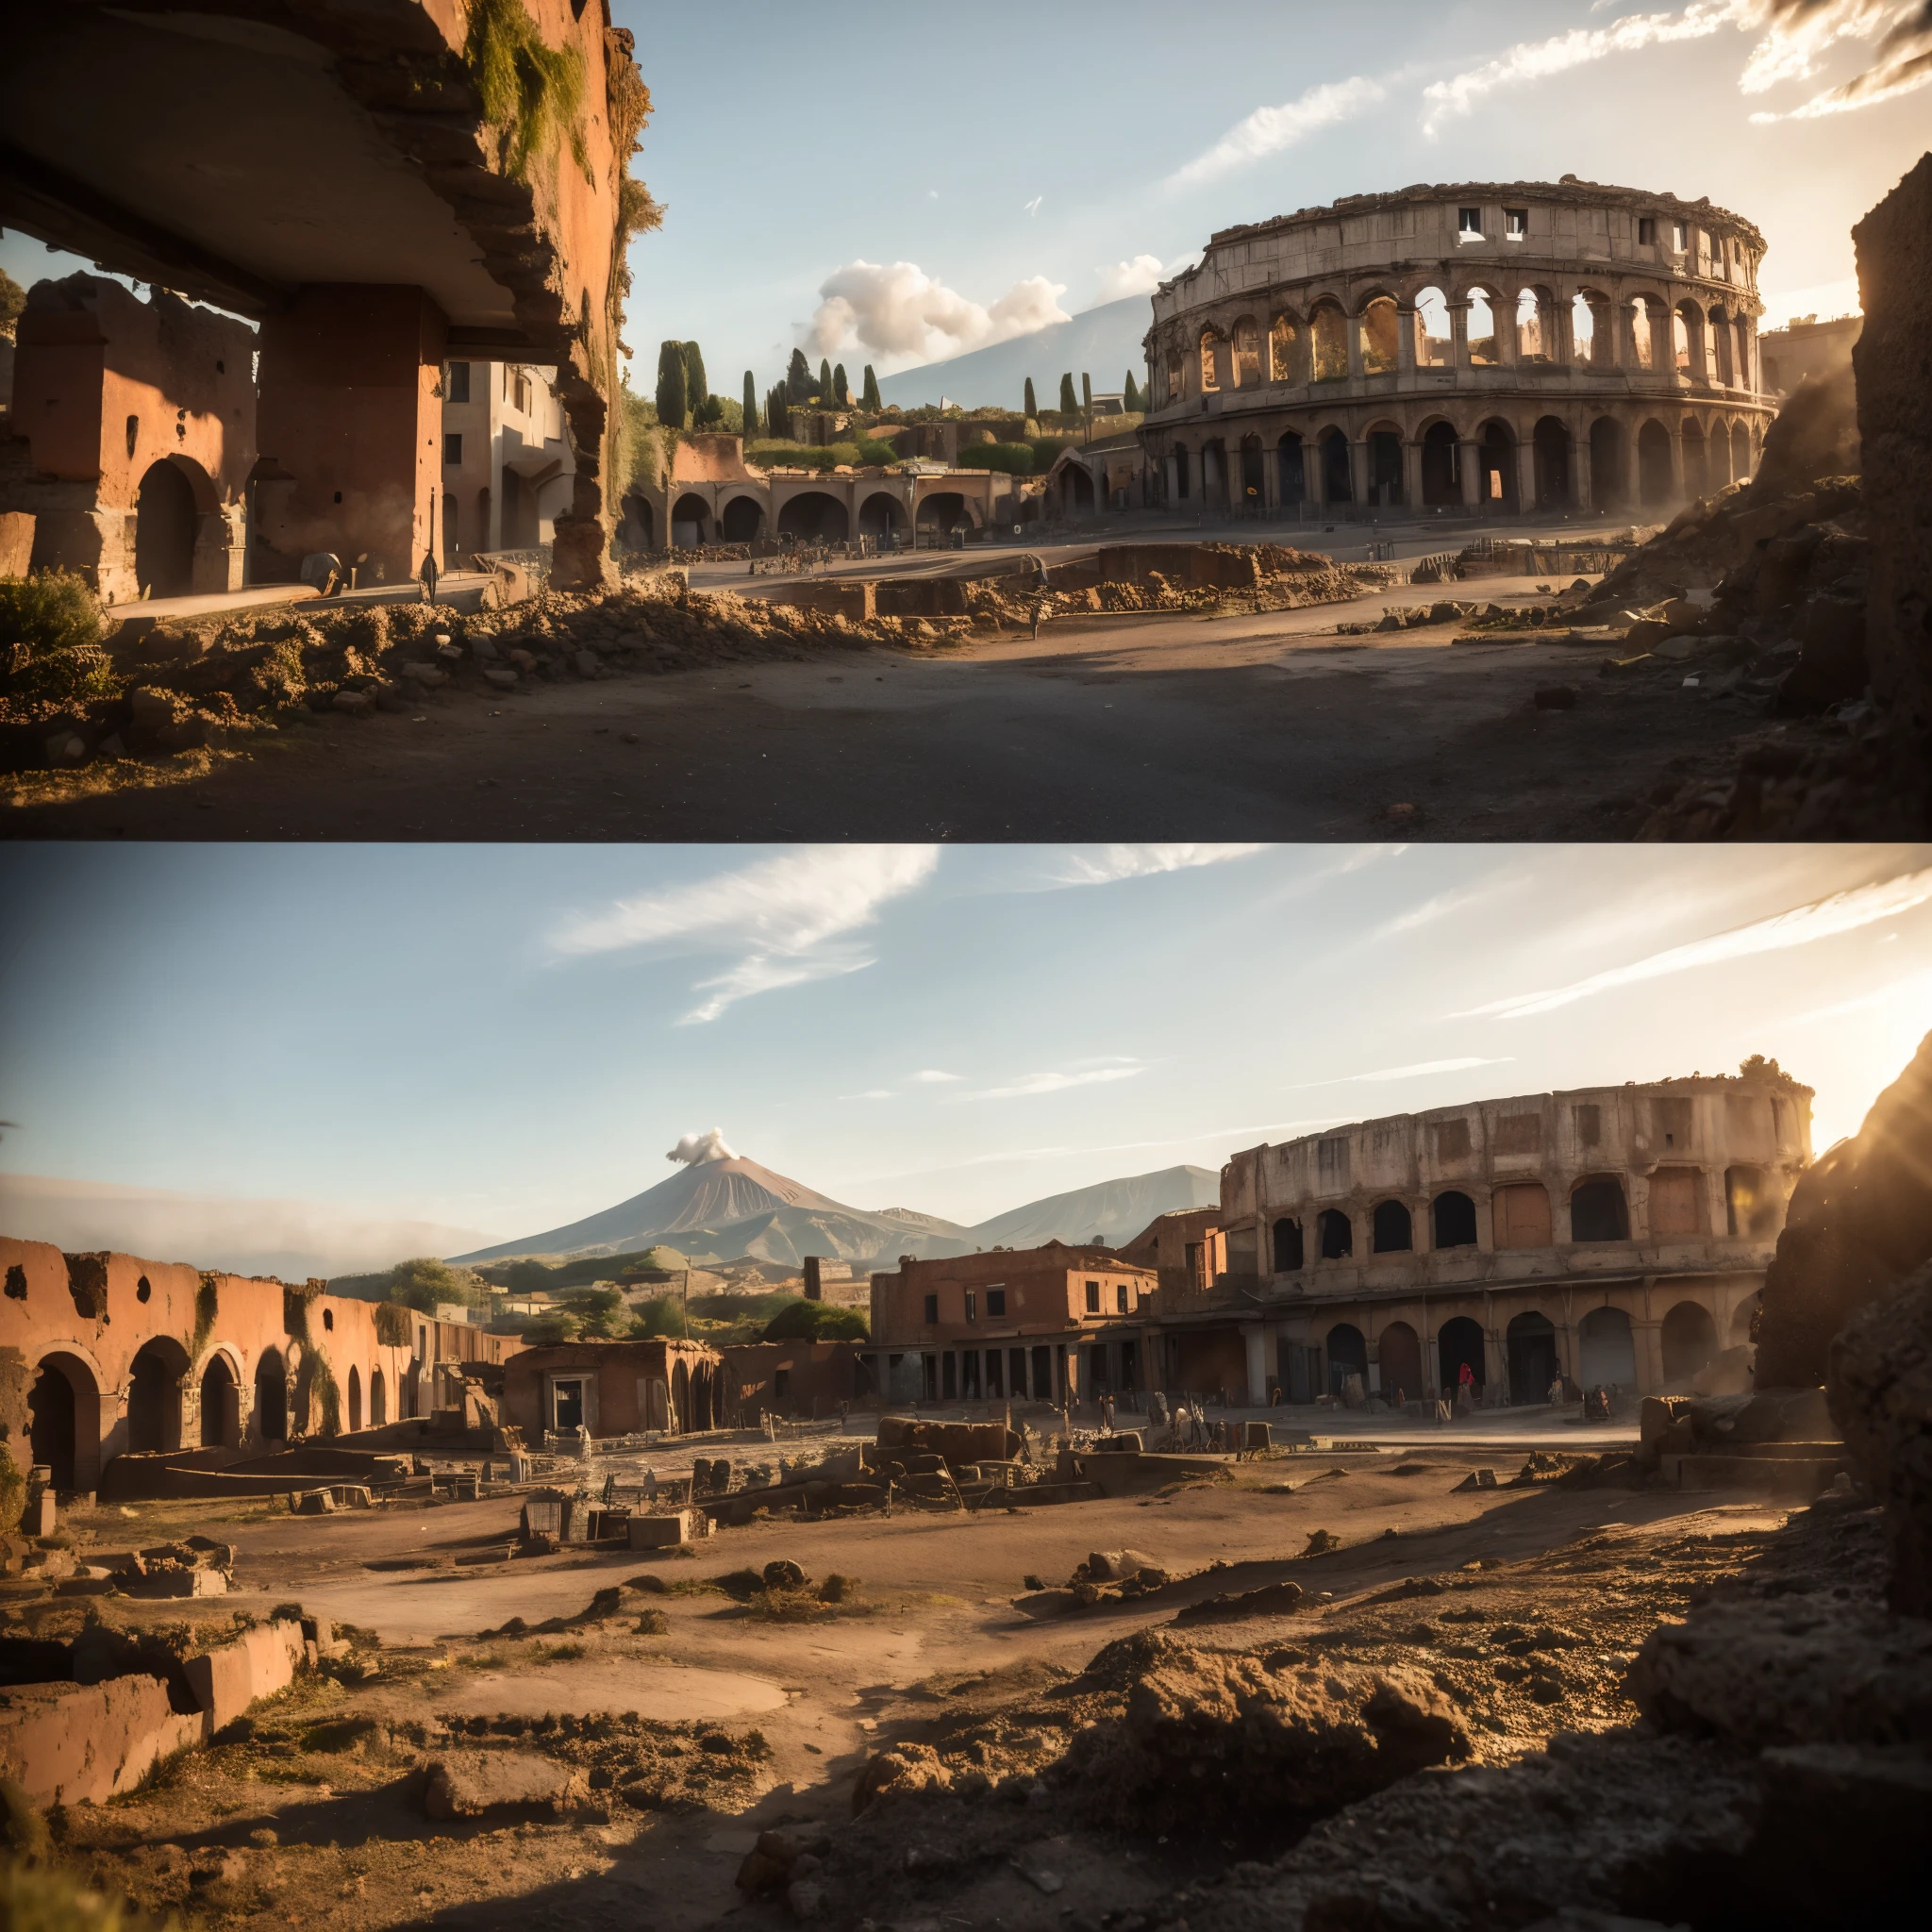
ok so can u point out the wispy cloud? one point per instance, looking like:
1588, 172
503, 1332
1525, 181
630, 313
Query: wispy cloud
1821, 919
791, 918
1915, 988
1031, 1083
1032, 207
872, 1093
1100, 865
933, 1076
1422, 1068
1269, 130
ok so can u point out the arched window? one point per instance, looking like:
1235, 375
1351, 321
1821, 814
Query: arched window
1328, 327
1348, 1354
1288, 1247
1676, 1202
1378, 337
1210, 376
1454, 1215
1247, 353
1460, 1345
1521, 1215
1533, 342
1606, 1350
1643, 324
1337, 1234
1399, 1354
1752, 1206
1531, 1341
1690, 1340
1284, 350
1598, 1212
1484, 349
1391, 1229
1434, 343
354, 1398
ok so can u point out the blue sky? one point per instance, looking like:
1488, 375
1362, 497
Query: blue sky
506, 1039
948, 177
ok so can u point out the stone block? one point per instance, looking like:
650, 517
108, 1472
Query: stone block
16, 542
661, 1532
480, 1784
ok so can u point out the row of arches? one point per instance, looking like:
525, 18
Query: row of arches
1530, 1352
813, 516
1494, 468
1483, 325
1520, 1217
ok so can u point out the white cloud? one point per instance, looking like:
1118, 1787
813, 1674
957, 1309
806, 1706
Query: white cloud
1140, 277
1422, 1066
1268, 130
871, 1094
1032, 1084
694, 1149
1102, 865
791, 917
932, 1076
1915, 988
905, 317
1032, 207
1821, 919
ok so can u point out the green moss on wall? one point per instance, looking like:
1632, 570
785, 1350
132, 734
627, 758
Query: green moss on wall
207, 1309
532, 94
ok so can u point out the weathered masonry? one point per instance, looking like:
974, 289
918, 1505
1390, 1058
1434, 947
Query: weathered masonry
1481, 348
1614, 1235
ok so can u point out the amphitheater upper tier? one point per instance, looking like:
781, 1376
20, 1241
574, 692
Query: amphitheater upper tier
1479, 346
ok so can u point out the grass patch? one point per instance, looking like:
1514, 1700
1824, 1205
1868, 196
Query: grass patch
101, 777
557, 1653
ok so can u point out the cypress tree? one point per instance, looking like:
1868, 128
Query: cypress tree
671, 393
1130, 397
1087, 392
825, 385
841, 389
697, 391
797, 379
1031, 409
1068, 406
751, 406
777, 417
869, 400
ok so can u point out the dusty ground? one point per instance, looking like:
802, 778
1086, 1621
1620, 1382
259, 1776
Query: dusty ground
1544, 1594
1109, 727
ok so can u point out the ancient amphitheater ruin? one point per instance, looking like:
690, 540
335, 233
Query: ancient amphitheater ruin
1479, 348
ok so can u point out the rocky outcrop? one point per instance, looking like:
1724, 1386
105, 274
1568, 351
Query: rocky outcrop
1860, 1221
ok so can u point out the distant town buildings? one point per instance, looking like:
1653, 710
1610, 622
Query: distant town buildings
508, 472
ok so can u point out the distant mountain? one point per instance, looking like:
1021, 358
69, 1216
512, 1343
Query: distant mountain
1104, 342
1114, 1210
725, 1210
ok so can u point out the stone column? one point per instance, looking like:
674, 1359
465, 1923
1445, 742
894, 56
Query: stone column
1354, 326
1271, 476
1404, 341
1527, 497
1648, 1344
1503, 309
1459, 335
1411, 472
1360, 472
1255, 1338
1579, 465
348, 409
1495, 1361
1314, 473
1470, 461
1677, 462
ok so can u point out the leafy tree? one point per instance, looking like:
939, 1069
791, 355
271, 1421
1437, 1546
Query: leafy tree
1030, 408
1068, 406
751, 406
423, 1281
661, 1316
697, 388
870, 399
709, 413
551, 1331
50, 642
598, 1312
527, 1277
12, 301
674, 391
1130, 397
804, 1320
797, 379
825, 385
841, 389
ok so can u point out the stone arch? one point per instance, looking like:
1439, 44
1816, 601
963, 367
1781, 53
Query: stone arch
1337, 466
1347, 1349
1530, 1342
1183, 482
1519, 1215
1435, 337
1441, 464
1291, 481
1485, 336
1655, 482
1385, 462
272, 1397
691, 519
1333, 1235
1555, 489
1286, 349
1252, 482
1605, 1350
1390, 1230
1460, 1345
64, 1419
639, 528
681, 1395
1498, 453
1452, 1220
1592, 326
1288, 1252
1741, 453
1723, 345
814, 515
881, 515
1689, 1336
1675, 1204
1686, 339
354, 1398
1399, 1356
1646, 319
1743, 1316
742, 520
1328, 341
1077, 493
1609, 463
378, 1397
1598, 1211
1210, 360
1696, 467
1378, 326
153, 1394
166, 514
1246, 338
1536, 324
221, 1402
948, 509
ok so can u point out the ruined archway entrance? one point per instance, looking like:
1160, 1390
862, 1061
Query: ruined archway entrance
1077, 493
154, 1396
1552, 444
1605, 1350
1401, 1352
815, 517
1291, 478
378, 1399
945, 509
680, 1396
271, 1397
1690, 1341
640, 526
1385, 467
1442, 479
1654, 464
1348, 1354
1498, 457
1459, 1344
882, 517
63, 1420
743, 521
1253, 480
221, 1405
164, 520
1338, 483
1531, 1341
690, 520
1609, 482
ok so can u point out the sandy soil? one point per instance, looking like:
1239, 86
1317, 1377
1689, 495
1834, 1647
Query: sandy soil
1109, 727
933, 1627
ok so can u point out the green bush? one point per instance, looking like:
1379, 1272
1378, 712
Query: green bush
1012, 459
551, 1331
1046, 450
424, 1281
804, 1320
661, 1315
50, 641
